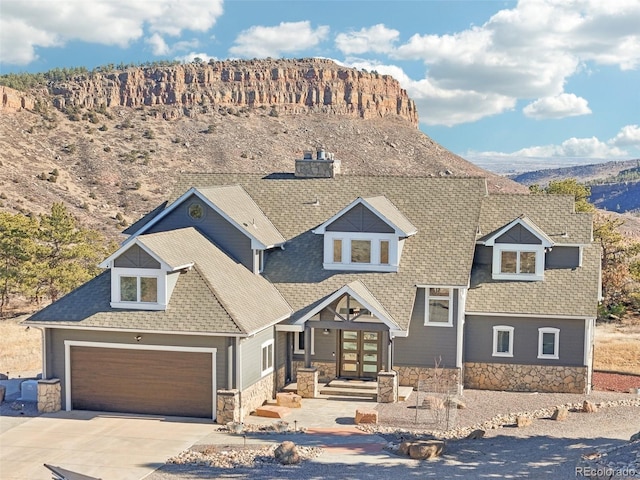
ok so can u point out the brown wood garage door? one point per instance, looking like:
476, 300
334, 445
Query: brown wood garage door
142, 381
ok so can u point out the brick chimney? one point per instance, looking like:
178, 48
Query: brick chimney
323, 166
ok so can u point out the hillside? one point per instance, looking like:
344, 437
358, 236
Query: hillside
582, 173
110, 144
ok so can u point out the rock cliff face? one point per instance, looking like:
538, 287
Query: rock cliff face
283, 86
14, 100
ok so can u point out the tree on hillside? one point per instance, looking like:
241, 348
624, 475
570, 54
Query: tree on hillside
16, 251
66, 254
568, 186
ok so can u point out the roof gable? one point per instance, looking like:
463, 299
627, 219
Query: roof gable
515, 228
381, 208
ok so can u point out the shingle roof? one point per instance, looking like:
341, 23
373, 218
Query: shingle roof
240, 207
553, 214
390, 212
441, 253
239, 301
564, 291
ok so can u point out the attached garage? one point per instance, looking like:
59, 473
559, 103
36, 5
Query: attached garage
147, 379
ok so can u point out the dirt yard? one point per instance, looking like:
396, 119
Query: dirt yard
617, 347
20, 348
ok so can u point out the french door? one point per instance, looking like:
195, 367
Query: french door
359, 354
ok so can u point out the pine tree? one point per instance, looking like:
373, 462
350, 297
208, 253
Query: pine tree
16, 251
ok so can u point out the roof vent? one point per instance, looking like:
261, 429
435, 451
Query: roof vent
323, 166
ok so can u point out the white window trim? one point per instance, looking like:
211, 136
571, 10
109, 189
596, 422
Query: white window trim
496, 330
556, 345
449, 297
498, 248
375, 239
269, 369
117, 273
296, 342
258, 261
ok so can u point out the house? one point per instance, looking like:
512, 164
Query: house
242, 283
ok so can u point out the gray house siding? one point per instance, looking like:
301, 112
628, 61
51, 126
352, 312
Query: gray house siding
562, 257
359, 219
251, 349
136, 257
478, 334
483, 255
518, 234
55, 338
213, 226
324, 346
427, 344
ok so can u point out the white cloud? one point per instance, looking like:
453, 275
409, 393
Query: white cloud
628, 135
560, 106
286, 38
30, 24
573, 147
378, 38
190, 57
158, 45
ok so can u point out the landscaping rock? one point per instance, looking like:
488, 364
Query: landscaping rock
287, 453
635, 437
523, 421
366, 416
289, 400
588, 407
432, 403
3, 389
425, 449
560, 414
272, 411
456, 403
475, 435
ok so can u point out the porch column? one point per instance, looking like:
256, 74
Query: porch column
385, 353
307, 346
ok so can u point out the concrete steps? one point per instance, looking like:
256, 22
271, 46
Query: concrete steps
352, 388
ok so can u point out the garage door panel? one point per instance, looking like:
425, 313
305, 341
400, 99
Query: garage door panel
142, 381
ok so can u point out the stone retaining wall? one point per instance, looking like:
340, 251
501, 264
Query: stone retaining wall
525, 378
254, 396
326, 370
410, 376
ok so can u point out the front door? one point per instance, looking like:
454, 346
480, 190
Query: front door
359, 354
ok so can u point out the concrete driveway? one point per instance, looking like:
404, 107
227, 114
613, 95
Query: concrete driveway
103, 445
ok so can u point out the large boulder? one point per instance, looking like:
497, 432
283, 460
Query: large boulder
426, 449
589, 407
475, 435
366, 416
560, 414
287, 453
289, 400
523, 421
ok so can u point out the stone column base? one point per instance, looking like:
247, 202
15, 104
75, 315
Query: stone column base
49, 395
308, 382
228, 406
387, 387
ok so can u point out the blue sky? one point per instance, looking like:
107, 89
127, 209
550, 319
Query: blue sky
505, 84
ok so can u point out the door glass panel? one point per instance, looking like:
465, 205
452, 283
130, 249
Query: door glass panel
370, 368
350, 357
350, 345
370, 357
348, 367
370, 347
370, 335
349, 335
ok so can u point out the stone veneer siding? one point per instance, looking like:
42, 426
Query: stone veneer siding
410, 376
49, 395
227, 406
387, 387
525, 378
308, 382
326, 370
254, 396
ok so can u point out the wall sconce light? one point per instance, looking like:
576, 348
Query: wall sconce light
138, 338
326, 331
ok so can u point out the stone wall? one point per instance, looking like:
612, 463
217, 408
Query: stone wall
410, 376
387, 387
308, 382
254, 396
49, 395
326, 370
525, 378
227, 406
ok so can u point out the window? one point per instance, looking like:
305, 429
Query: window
502, 341
267, 357
439, 307
384, 252
139, 289
298, 342
196, 211
518, 262
337, 250
548, 343
360, 251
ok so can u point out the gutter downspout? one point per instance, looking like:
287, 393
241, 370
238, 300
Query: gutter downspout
239, 375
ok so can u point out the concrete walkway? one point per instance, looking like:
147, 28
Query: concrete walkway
102, 445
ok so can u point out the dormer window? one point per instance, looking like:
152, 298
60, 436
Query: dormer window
518, 251
139, 289
366, 235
